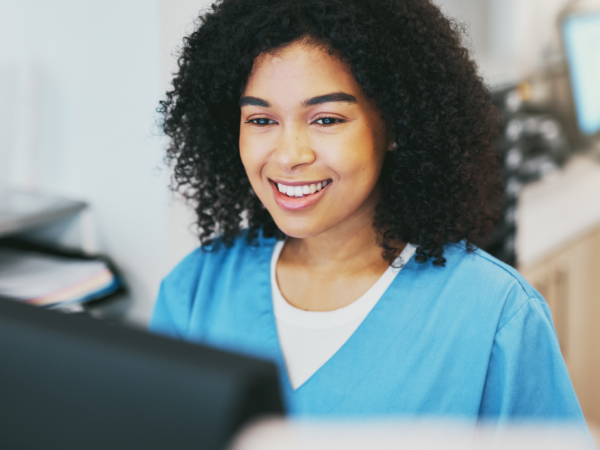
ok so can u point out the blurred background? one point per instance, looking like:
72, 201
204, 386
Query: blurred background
84, 190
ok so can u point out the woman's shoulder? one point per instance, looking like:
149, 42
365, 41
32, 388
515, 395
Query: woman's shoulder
483, 277
206, 269
210, 263
241, 249
483, 265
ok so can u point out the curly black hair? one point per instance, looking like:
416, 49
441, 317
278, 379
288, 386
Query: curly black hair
440, 185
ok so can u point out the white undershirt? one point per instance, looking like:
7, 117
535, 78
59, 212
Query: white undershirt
309, 338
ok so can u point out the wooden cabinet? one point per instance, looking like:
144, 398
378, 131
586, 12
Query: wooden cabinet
569, 280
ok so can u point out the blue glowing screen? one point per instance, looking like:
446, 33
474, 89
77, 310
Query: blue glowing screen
582, 41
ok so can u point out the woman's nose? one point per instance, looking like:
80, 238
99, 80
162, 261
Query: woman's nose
293, 150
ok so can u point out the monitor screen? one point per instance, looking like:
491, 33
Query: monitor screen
582, 42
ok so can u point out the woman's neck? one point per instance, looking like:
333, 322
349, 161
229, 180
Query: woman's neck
333, 269
336, 250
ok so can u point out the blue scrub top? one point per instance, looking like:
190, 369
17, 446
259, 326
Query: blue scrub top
471, 340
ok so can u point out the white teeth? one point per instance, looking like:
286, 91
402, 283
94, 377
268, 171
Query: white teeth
301, 191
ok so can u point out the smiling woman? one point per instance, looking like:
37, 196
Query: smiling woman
355, 138
313, 126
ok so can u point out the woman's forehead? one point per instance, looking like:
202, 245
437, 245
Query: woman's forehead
300, 69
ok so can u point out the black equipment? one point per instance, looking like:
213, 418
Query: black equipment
72, 382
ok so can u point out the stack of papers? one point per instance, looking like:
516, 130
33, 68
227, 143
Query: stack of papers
53, 281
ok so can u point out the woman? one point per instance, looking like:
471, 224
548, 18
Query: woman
339, 154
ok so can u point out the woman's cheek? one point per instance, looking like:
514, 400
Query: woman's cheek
249, 161
253, 161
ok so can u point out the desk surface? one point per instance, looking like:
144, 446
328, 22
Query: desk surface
558, 209
22, 211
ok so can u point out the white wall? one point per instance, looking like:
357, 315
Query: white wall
84, 79
473, 13
526, 31
178, 20
511, 39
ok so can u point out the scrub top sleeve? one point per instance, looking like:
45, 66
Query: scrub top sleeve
171, 313
527, 379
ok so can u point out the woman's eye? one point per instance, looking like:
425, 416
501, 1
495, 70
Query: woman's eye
261, 122
328, 121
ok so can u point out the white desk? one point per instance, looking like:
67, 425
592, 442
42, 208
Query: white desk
557, 210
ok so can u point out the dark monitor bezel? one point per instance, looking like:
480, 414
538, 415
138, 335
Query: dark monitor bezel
88, 360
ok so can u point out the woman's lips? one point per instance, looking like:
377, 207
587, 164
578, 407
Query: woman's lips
298, 195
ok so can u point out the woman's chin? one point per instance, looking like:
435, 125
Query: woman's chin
297, 230
299, 233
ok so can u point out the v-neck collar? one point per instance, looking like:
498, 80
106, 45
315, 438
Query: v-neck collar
343, 372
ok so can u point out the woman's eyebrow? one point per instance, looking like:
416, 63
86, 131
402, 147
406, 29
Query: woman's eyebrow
253, 101
327, 98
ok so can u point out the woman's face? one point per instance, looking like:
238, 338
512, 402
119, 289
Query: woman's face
311, 142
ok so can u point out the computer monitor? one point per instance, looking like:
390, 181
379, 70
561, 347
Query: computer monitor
72, 382
581, 35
